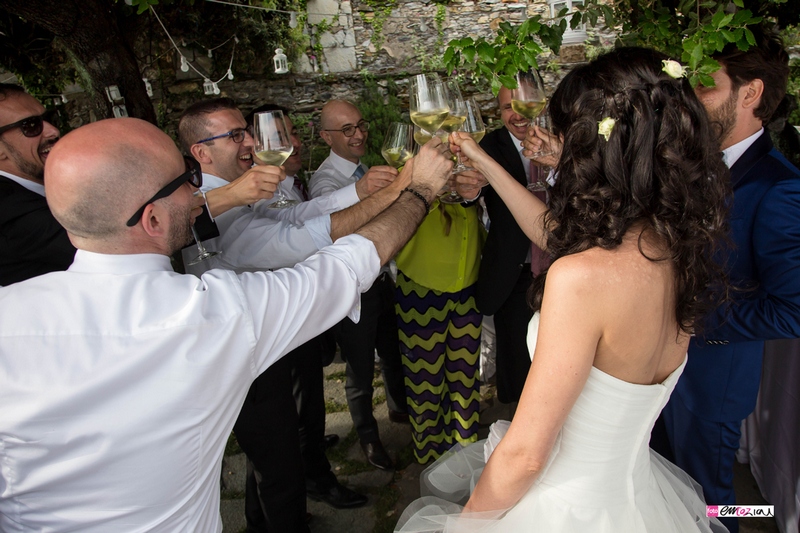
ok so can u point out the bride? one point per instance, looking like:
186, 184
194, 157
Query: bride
635, 217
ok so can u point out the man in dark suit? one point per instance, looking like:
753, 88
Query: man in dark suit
719, 385
32, 242
505, 271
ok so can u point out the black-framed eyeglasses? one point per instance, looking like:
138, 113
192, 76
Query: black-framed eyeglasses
193, 175
350, 130
236, 135
31, 126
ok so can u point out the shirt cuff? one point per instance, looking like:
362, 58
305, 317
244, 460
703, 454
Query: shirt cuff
347, 196
360, 255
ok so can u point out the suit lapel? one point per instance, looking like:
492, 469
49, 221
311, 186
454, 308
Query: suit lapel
760, 148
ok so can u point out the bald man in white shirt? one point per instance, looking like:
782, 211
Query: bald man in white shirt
127, 385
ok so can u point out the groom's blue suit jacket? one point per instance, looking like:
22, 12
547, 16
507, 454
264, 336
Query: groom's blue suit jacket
721, 379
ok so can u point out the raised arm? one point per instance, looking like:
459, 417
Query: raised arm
527, 209
392, 228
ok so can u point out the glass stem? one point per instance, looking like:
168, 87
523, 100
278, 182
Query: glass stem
200, 248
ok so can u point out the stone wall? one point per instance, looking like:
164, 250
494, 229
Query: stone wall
360, 40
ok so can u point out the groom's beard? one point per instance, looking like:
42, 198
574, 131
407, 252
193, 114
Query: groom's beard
723, 117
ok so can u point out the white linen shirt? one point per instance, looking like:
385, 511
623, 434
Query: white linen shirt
120, 381
254, 238
333, 174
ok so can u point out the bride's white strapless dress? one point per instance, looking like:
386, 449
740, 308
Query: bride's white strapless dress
601, 475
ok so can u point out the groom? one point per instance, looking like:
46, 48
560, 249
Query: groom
699, 428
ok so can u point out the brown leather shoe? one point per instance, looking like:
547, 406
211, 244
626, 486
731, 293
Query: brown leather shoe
398, 418
376, 455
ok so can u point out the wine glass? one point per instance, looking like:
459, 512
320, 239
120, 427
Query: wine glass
473, 125
398, 145
273, 147
202, 253
428, 102
543, 122
528, 99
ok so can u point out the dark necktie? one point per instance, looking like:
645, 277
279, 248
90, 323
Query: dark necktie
358, 172
301, 188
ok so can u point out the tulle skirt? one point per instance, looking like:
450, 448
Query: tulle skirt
670, 502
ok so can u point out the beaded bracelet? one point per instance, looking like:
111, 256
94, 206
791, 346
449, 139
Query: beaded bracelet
418, 195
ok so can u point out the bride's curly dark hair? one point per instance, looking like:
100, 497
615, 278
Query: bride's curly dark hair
660, 166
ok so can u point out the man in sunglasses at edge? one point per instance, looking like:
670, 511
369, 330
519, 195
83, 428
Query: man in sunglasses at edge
32, 242
343, 128
125, 391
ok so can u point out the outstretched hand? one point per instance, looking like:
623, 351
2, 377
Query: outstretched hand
431, 166
375, 179
472, 155
542, 146
258, 183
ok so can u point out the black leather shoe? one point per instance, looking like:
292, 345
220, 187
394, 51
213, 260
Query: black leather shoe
398, 418
376, 455
338, 496
329, 441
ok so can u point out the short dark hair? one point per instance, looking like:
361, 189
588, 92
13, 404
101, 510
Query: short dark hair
193, 124
7, 89
265, 107
766, 61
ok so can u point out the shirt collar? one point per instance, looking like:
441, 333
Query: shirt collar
516, 141
90, 262
32, 186
210, 182
343, 165
732, 154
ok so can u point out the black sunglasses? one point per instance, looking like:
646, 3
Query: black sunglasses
31, 126
193, 175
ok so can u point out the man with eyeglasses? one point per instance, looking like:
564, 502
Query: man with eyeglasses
126, 388
32, 242
343, 128
255, 238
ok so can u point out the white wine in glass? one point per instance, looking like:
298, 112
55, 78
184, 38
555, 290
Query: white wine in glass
428, 102
473, 125
273, 147
398, 145
528, 99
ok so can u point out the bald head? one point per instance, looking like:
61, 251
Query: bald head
333, 111
339, 114
100, 174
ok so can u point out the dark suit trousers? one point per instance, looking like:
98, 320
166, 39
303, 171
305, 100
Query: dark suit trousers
377, 329
511, 328
309, 396
267, 431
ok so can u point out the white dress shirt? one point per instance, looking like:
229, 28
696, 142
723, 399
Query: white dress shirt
32, 186
254, 238
120, 381
333, 174
731, 154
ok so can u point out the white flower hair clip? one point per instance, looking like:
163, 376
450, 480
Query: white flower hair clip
673, 68
605, 126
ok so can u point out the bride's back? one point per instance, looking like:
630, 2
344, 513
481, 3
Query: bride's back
640, 341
